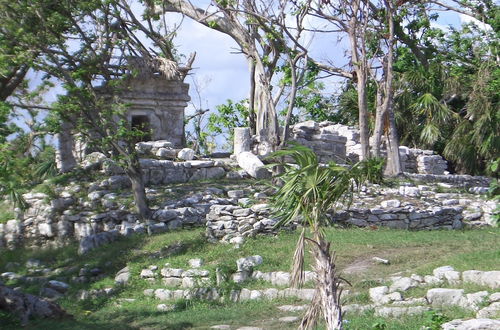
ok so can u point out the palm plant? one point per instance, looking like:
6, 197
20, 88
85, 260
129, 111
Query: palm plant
309, 190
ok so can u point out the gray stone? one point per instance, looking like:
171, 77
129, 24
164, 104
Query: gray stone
490, 279
240, 276
172, 281
396, 312
432, 280
149, 292
475, 299
440, 271
490, 312
221, 326
123, 276
356, 309
403, 284
293, 308
494, 297
163, 294
248, 263
392, 203
235, 193
172, 272
195, 263
474, 324
51, 293
59, 286
446, 297
164, 215
186, 154
381, 261
252, 165
147, 273
165, 308
289, 319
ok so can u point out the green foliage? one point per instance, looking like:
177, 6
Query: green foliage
228, 116
373, 170
433, 320
380, 324
309, 190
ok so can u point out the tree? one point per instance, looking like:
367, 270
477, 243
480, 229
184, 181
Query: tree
309, 190
268, 43
109, 49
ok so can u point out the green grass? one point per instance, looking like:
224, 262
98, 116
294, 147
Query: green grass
409, 252
6, 213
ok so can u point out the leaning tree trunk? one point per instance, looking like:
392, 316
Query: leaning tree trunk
27, 305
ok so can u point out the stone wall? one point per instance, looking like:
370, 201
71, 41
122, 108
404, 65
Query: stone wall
403, 218
341, 143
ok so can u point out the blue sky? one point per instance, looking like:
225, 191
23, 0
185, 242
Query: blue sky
222, 73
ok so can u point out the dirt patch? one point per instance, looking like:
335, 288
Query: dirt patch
359, 266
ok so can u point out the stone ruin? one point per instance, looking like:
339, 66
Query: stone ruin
341, 144
155, 105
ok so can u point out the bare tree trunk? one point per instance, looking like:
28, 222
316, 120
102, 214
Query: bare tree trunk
267, 121
393, 160
363, 115
141, 202
251, 100
291, 102
356, 31
27, 305
379, 124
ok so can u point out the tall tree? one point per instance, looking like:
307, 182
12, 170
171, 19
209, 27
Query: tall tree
91, 48
261, 30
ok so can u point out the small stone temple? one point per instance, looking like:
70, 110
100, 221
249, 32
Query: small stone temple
154, 104
157, 105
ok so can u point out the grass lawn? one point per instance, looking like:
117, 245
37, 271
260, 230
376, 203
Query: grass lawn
408, 251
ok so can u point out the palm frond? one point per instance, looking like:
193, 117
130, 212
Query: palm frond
297, 272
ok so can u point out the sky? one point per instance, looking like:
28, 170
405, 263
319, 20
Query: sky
220, 70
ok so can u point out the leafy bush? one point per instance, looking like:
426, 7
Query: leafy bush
373, 169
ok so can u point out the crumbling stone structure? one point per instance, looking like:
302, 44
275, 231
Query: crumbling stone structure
341, 144
155, 105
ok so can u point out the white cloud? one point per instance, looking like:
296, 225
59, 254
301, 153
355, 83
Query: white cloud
468, 19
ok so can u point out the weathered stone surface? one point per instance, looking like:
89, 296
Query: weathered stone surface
446, 297
186, 154
490, 312
395, 312
242, 140
403, 284
252, 165
490, 279
59, 286
474, 324
123, 276
248, 263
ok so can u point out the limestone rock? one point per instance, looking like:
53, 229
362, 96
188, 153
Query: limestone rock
474, 324
248, 263
186, 154
252, 165
446, 297
123, 276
